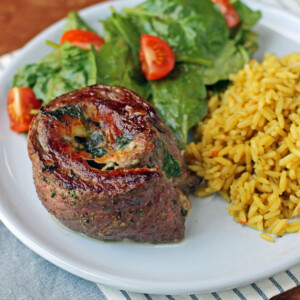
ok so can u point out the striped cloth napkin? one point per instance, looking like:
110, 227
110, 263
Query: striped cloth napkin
264, 289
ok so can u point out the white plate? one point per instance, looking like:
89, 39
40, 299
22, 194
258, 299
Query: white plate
216, 254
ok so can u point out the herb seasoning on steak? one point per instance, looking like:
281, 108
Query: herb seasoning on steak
105, 164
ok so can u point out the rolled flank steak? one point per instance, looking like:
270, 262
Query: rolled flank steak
105, 164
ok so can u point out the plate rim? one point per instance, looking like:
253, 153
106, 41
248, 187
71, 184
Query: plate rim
134, 284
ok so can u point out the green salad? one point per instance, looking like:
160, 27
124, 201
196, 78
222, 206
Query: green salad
206, 52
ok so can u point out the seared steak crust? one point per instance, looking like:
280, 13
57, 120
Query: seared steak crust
105, 164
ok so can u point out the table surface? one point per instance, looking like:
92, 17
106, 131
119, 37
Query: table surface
21, 20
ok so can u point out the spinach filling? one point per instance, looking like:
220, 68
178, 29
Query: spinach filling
91, 144
73, 111
171, 165
123, 142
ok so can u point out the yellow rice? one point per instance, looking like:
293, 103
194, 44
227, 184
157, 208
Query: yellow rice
249, 146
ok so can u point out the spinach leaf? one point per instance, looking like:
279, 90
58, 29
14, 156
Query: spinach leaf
29, 74
117, 67
118, 62
26, 76
170, 164
248, 17
49, 87
195, 30
244, 35
65, 69
74, 21
179, 98
79, 67
43, 77
249, 41
229, 61
121, 26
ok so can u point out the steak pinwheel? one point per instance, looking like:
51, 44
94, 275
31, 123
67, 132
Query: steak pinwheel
105, 164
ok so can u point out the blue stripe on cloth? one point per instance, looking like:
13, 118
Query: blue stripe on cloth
291, 275
259, 291
148, 297
194, 297
125, 295
238, 293
217, 297
170, 297
281, 290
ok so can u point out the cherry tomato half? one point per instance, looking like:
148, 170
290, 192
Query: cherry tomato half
20, 102
230, 14
156, 57
82, 39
